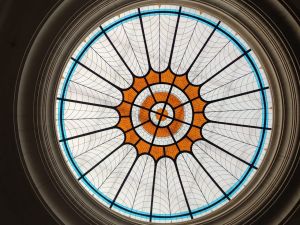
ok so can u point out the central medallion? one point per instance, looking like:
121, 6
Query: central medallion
161, 114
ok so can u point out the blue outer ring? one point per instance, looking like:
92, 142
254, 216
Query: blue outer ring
181, 215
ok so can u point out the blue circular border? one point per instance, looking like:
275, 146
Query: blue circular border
246, 174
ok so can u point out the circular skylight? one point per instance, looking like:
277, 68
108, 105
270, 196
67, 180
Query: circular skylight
163, 113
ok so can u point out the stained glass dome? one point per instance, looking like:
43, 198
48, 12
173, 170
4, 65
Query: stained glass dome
163, 113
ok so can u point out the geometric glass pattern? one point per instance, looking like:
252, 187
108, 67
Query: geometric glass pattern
163, 113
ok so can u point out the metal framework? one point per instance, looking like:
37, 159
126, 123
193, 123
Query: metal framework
163, 113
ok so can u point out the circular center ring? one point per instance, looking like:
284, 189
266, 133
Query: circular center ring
160, 120
162, 114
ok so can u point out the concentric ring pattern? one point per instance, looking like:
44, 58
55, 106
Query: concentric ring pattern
163, 113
